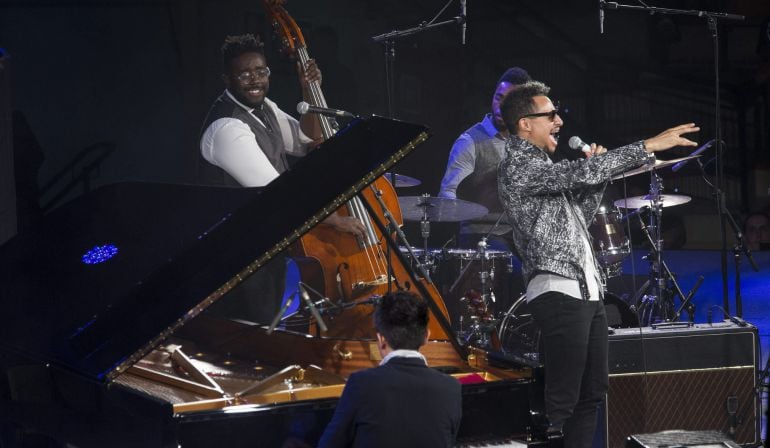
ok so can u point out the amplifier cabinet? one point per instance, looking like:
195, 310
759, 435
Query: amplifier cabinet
695, 378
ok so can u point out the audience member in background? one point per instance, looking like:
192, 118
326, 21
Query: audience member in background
756, 231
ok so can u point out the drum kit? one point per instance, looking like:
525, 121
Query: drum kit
470, 280
466, 278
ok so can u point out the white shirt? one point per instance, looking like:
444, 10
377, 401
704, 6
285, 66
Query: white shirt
230, 144
548, 282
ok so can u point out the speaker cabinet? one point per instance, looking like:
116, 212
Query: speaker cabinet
700, 378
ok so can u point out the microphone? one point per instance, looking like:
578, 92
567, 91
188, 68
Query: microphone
706, 146
601, 17
311, 306
305, 108
738, 321
577, 144
281, 312
463, 18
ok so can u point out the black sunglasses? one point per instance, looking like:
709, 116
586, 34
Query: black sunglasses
551, 115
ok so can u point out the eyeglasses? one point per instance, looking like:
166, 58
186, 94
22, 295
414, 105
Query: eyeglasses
260, 73
551, 114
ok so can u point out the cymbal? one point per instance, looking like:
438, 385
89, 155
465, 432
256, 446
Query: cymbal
647, 168
413, 208
402, 181
669, 200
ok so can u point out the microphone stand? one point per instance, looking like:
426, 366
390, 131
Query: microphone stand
389, 39
739, 247
711, 18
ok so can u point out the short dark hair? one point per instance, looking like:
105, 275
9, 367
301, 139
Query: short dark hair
402, 318
519, 103
235, 46
515, 76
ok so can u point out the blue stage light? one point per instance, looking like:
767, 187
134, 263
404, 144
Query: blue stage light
99, 254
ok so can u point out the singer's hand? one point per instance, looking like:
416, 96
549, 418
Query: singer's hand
671, 137
595, 150
346, 224
311, 74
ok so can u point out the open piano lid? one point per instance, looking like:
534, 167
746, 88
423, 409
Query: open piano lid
179, 248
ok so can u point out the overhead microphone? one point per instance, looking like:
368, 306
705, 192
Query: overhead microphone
305, 108
601, 17
463, 18
705, 146
576, 143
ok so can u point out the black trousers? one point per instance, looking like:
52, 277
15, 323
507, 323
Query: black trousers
574, 341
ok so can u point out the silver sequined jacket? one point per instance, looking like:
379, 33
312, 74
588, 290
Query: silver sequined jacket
536, 195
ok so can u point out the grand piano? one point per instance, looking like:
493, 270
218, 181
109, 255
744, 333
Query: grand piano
104, 340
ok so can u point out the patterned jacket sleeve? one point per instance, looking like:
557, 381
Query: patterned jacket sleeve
538, 176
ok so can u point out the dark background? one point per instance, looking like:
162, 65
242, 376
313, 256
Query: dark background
137, 77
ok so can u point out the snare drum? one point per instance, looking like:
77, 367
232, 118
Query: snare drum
610, 242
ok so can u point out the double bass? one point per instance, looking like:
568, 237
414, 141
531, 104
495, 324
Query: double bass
353, 268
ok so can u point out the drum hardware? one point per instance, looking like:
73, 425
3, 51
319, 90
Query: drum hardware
401, 181
655, 299
482, 331
479, 304
425, 208
469, 279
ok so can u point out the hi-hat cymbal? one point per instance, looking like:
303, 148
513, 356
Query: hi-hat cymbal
647, 168
415, 208
402, 181
668, 200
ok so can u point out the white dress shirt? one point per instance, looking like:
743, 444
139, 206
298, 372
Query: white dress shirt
229, 144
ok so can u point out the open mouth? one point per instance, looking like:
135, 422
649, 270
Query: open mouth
555, 137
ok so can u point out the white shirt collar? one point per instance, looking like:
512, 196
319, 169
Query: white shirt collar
266, 102
403, 354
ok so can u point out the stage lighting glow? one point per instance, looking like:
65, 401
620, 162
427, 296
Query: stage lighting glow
99, 254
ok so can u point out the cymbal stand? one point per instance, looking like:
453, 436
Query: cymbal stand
425, 228
658, 306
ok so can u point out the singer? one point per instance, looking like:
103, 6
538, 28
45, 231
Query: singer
246, 141
549, 206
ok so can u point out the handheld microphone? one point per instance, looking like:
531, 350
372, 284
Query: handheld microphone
305, 108
463, 18
577, 144
706, 146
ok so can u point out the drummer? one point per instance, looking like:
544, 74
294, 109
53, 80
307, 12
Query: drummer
471, 172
